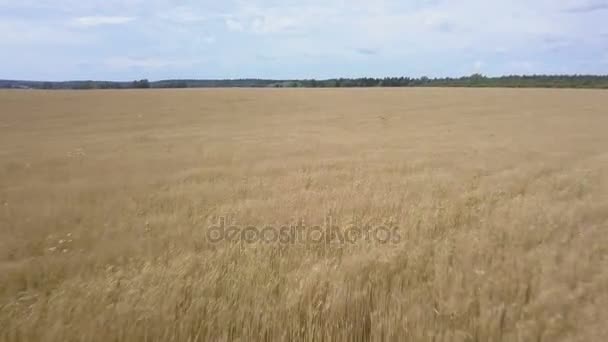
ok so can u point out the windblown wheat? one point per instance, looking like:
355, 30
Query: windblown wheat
500, 198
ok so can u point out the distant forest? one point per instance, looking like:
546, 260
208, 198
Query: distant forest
476, 80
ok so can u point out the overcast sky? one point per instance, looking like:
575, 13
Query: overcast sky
158, 39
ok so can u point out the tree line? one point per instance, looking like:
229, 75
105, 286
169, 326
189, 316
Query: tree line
475, 80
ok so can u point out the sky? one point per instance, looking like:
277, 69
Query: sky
164, 39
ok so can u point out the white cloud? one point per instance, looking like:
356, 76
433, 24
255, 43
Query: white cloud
234, 25
261, 24
92, 21
145, 63
209, 40
521, 67
327, 37
588, 6
268, 24
257, 18
43, 34
184, 14
79, 6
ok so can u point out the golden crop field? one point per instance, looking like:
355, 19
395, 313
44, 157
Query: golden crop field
111, 204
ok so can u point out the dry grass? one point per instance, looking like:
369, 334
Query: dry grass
501, 197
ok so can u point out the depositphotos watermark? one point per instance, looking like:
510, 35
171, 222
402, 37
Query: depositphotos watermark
300, 233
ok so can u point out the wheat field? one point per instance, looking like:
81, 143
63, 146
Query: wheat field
499, 199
